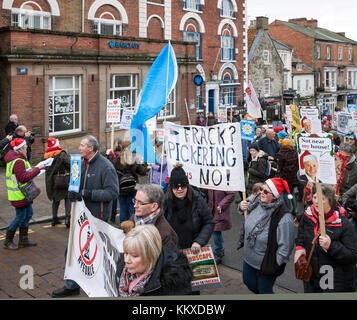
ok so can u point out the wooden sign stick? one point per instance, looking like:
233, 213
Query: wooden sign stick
245, 211
321, 209
112, 138
70, 240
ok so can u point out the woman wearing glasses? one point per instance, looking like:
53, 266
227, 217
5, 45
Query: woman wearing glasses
187, 212
268, 236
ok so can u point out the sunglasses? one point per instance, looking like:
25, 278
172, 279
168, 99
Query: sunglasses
265, 191
178, 186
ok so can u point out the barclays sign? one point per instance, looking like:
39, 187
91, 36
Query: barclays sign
124, 45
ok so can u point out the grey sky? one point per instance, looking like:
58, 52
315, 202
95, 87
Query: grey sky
337, 16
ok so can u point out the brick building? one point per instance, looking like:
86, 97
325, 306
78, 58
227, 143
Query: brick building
331, 56
61, 60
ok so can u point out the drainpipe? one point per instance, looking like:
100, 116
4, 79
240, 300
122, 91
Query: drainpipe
82, 15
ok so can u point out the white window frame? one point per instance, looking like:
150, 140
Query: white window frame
227, 9
350, 54
117, 25
340, 53
328, 52
19, 15
266, 87
330, 79
227, 47
196, 38
170, 107
266, 56
75, 91
192, 5
318, 49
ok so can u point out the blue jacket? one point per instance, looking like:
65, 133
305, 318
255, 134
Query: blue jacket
271, 147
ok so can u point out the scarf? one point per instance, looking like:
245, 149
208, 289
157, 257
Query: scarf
266, 209
150, 219
181, 209
130, 285
51, 152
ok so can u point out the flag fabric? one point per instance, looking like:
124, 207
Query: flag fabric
253, 104
158, 84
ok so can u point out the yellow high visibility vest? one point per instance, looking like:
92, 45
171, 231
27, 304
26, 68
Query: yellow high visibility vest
13, 191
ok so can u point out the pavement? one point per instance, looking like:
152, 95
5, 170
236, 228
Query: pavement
46, 261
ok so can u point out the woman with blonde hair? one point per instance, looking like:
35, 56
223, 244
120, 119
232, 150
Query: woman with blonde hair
148, 268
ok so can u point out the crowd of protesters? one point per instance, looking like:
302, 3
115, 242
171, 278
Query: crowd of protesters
167, 215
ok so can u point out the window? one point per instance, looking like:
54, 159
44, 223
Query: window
328, 53
228, 93
350, 54
30, 19
352, 79
299, 67
340, 53
192, 4
227, 9
170, 107
267, 87
125, 88
298, 85
330, 79
199, 97
192, 36
64, 107
227, 47
108, 26
319, 79
307, 85
266, 57
318, 51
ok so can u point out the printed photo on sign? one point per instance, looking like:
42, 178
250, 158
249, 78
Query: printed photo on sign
316, 158
222, 113
310, 120
204, 268
211, 156
247, 129
345, 124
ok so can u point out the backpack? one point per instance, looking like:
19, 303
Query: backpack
127, 184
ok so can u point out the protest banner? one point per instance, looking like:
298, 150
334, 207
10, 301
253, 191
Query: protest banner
247, 129
253, 104
113, 116
222, 113
211, 156
310, 120
345, 124
126, 118
295, 117
96, 251
204, 268
316, 158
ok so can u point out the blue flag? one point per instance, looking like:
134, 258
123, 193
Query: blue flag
247, 129
158, 84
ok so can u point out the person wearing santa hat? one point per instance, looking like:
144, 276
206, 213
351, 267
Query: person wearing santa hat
268, 236
18, 167
310, 164
307, 125
56, 192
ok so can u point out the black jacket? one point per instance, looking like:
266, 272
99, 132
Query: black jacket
172, 275
202, 218
342, 254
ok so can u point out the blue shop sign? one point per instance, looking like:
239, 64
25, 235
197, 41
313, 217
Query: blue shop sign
122, 44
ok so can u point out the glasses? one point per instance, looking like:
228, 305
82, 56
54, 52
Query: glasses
265, 191
140, 203
178, 186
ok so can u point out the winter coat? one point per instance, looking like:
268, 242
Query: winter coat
3, 143
168, 235
271, 147
222, 199
350, 177
172, 275
342, 254
22, 176
61, 164
288, 166
257, 170
99, 176
202, 219
10, 128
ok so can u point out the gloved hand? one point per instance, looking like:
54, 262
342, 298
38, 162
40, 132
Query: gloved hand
87, 194
74, 196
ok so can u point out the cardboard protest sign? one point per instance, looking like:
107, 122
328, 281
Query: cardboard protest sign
247, 129
204, 268
340, 165
126, 118
211, 156
310, 120
316, 158
96, 249
222, 113
345, 124
113, 110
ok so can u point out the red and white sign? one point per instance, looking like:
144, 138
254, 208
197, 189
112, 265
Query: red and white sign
113, 110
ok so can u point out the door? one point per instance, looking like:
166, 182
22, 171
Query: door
211, 101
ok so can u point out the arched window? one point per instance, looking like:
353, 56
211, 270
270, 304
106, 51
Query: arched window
192, 35
30, 16
228, 93
193, 4
227, 46
107, 24
227, 9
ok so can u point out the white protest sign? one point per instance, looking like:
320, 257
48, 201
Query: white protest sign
345, 124
222, 113
126, 118
211, 156
316, 158
310, 120
113, 110
96, 249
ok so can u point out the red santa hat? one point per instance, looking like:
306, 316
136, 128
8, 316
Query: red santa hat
52, 142
17, 143
277, 129
306, 156
277, 187
109, 153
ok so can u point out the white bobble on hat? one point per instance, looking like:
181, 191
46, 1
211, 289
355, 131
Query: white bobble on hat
277, 187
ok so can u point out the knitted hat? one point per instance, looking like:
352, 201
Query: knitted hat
277, 187
52, 142
178, 176
282, 134
109, 153
286, 143
277, 129
254, 146
17, 143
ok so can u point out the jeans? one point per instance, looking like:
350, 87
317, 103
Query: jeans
218, 242
126, 207
256, 283
22, 219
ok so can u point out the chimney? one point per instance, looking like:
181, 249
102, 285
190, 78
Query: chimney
300, 21
343, 34
262, 23
312, 23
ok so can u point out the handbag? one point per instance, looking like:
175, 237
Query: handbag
30, 191
61, 180
303, 269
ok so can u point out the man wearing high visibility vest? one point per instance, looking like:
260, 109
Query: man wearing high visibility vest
18, 173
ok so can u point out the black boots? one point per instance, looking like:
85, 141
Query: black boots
24, 239
9, 243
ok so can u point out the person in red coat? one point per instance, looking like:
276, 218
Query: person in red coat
220, 204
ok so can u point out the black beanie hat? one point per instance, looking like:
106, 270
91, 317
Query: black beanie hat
254, 146
178, 176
